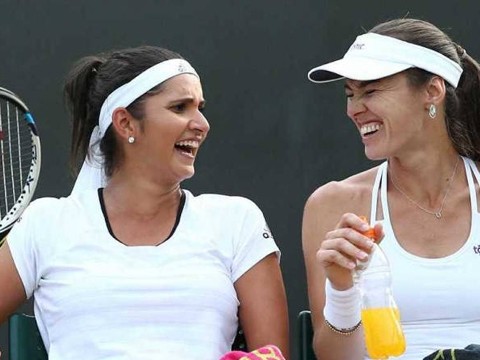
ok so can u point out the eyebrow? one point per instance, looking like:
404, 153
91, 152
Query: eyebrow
188, 99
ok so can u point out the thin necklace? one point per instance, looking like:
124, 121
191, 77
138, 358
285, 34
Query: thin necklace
438, 213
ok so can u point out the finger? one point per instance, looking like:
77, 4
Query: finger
352, 236
379, 233
332, 257
340, 252
344, 247
353, 221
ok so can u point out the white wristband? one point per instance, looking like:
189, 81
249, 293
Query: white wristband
342, 308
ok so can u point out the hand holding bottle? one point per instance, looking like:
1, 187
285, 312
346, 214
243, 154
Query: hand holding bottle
343, 247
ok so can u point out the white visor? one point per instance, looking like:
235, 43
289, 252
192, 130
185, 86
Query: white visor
373, 56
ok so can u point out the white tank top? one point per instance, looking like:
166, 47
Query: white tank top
438, 299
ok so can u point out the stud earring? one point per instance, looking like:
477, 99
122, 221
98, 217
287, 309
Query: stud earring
432, 111
131, 139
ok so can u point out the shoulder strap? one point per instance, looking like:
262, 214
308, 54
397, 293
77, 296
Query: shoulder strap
375, 191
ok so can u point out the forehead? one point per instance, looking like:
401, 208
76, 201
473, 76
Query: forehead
184, 84
395, 79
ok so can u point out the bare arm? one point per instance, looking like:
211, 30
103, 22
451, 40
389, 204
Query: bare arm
12, 293
331, 243
263, 309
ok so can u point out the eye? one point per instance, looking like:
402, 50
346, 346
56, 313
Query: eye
201, 108
348, 95
370, 91
178, 108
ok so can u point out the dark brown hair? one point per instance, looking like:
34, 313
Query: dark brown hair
462, 108
88, 84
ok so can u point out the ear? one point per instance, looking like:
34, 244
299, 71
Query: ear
124, 123
435, 91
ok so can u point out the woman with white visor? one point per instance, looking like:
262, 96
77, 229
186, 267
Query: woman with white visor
413, 95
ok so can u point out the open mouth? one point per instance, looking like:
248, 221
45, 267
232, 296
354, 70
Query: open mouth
187, 147
370, 129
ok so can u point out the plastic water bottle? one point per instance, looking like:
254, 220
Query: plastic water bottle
380, 316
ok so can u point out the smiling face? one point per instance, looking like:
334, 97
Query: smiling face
168, 137
389, 114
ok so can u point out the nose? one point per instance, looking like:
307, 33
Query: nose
355, 106
200, 123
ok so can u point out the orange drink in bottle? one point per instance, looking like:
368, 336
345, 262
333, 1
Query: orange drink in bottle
380, 315
383, 333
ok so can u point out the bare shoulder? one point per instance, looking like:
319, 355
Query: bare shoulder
327, 204
352, 194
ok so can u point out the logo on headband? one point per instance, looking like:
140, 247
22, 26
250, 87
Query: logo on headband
358, 46
181, 68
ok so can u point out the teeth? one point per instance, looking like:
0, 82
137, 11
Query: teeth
365, 129
189, 143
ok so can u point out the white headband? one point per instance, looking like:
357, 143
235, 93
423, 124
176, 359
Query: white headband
91, 174
373, 56
129, 92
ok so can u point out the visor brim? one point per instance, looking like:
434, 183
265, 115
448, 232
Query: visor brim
355, 68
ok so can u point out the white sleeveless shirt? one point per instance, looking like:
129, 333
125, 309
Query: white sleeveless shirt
438, 299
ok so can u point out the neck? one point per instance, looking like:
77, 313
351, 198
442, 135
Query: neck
140, 198
426, 185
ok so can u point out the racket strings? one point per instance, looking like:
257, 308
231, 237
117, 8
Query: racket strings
16, 154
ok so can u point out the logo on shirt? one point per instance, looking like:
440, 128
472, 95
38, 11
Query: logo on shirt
267, 234
476, 249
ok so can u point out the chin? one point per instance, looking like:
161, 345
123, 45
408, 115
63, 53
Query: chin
188, 173
374, 155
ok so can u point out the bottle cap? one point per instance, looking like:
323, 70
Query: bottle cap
370, 232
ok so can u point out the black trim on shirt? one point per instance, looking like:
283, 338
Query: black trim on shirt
109, 227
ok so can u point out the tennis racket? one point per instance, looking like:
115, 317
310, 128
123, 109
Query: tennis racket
19, 159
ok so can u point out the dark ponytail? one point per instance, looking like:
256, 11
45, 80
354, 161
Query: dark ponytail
89, 83
464, 128
76, 93
462, 108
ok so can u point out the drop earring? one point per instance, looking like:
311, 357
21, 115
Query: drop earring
432, 111
131, 139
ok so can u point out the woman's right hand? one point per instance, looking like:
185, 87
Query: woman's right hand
343, 246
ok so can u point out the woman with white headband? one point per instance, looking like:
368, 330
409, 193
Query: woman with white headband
413, 96
131, 265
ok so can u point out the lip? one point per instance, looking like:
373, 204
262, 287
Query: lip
367, 127
185, 154
196, 141
193, 143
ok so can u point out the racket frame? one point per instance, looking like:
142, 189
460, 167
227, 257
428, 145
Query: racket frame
30, 183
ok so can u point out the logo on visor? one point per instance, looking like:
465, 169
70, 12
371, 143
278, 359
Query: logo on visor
181, 68
358, 46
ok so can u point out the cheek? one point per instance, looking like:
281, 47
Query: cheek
385, 108
407, 113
